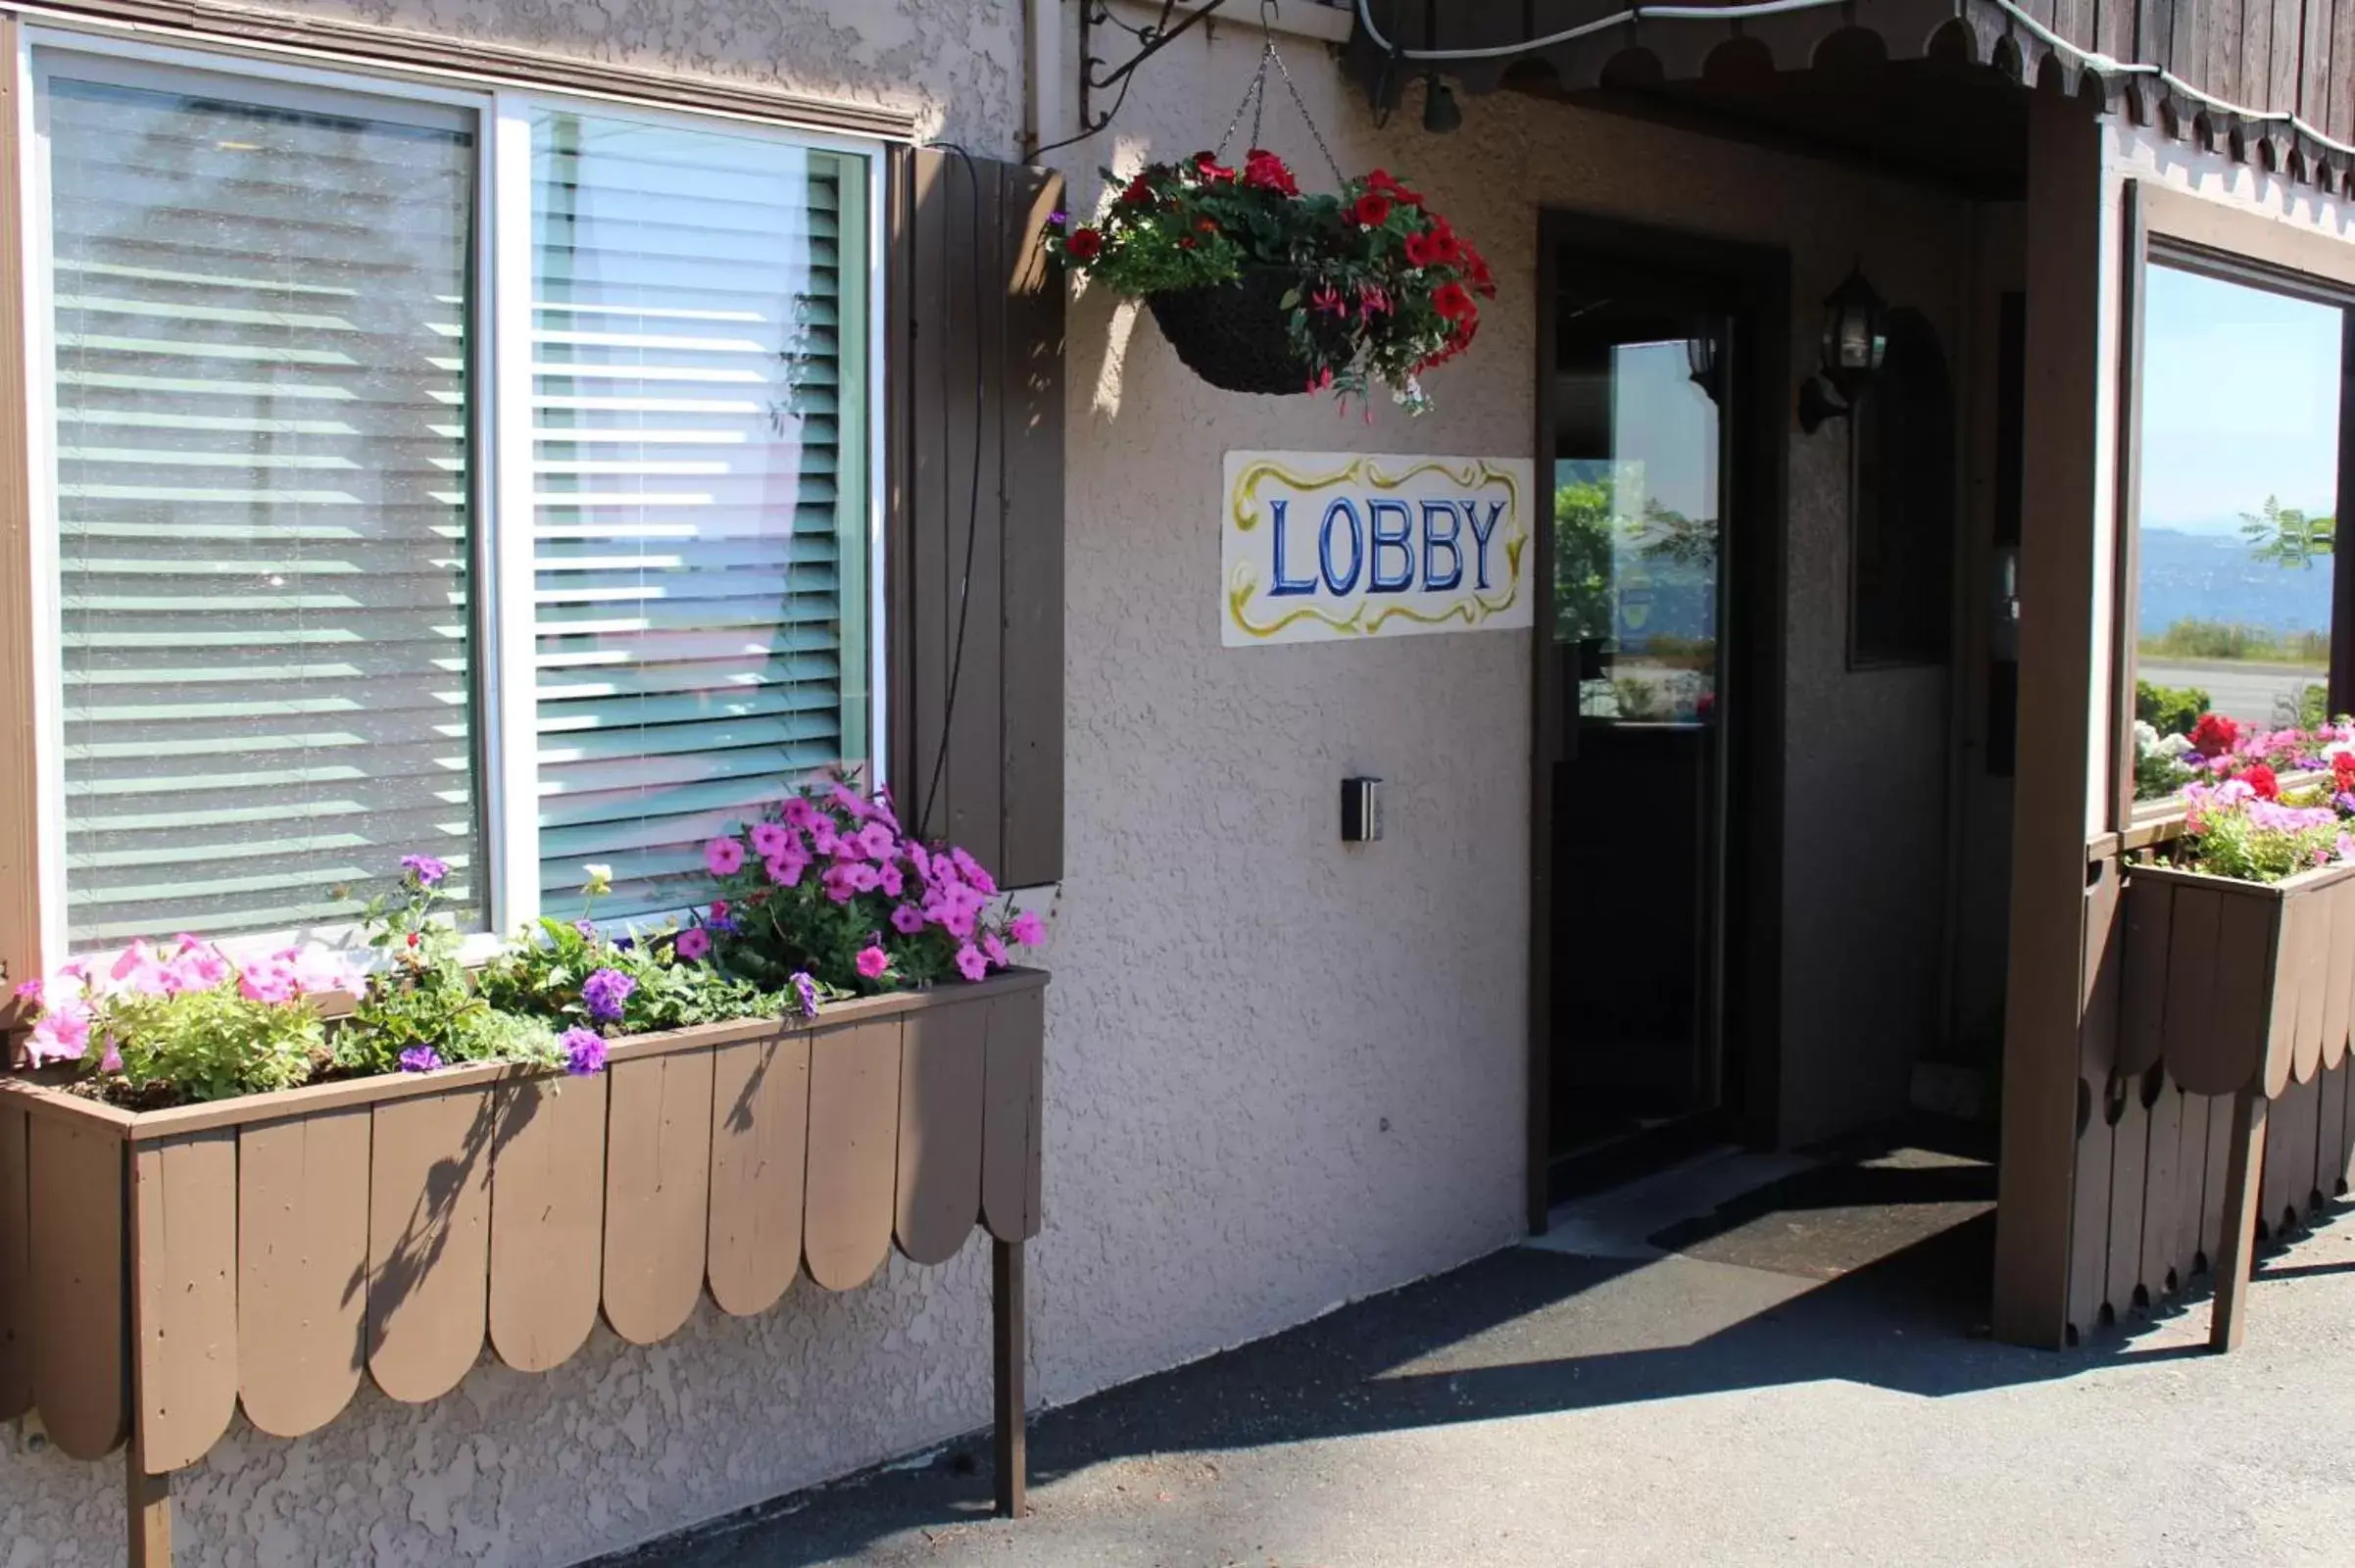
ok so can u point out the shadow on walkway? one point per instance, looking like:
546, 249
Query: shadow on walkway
1740, 1300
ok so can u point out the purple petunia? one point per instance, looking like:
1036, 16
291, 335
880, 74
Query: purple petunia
425, 868
584, 1050
804, 990
420, 1058
604, 992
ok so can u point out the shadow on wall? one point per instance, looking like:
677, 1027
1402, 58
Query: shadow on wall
1522, 1332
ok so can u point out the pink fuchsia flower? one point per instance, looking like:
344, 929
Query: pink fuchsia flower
907, 919
62, 1035
877, 842
785, 871
993, 950
874, 962
723, 856
584, 1051
270, 980
420, 1058
691, 944
970, 963
769, 837
841, 882
800, 814
973, 873
1028, 929
315, 970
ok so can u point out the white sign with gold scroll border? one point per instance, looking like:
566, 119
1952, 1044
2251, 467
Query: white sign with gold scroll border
1335, 546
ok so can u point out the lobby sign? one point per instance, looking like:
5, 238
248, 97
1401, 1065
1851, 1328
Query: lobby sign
1336, 546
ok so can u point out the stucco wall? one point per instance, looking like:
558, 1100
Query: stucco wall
1281, 1073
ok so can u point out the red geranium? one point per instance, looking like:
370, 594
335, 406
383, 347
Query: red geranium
1455, 302
2262, 779
1085, 244
1264, 170
2213, 735
1138, 194
2342, 772
1372, 209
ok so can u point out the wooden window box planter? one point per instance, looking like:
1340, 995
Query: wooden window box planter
2239, 987
160, 1270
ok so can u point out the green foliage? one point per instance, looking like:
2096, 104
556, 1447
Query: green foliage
2168, 709
2286, 536
2311, 710
215, 1043
2192, 638
1582, 561
423, 1000
2255, 843
541, 974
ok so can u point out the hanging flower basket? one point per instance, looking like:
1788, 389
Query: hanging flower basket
1263, 289
1237, 335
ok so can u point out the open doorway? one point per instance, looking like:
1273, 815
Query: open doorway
1655, 787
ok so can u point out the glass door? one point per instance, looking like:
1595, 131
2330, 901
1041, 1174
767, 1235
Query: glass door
1642, 365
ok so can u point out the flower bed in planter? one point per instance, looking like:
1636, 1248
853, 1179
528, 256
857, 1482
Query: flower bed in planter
163, 1269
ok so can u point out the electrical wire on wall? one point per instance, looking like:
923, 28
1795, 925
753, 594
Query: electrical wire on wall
965, 581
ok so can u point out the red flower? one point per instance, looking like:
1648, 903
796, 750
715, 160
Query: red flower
2342, 770
1371, 211
1476, 267
2213, 735
1454, 302
2261, 778
1420, 252
1211, 171
1138, 194
1085, 244
1265, 170
1380, 180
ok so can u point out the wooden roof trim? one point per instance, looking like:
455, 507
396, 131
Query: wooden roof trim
209, 21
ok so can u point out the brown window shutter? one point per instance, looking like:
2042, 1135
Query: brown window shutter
974, 369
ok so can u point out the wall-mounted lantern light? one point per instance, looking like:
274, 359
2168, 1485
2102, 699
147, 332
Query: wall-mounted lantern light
1855, 341
1705, 359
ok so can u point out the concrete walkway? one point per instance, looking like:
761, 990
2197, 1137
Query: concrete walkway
1699, 1370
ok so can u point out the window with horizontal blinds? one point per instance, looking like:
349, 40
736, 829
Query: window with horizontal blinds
698, 456
260, 326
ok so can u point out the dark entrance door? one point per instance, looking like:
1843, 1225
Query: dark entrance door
1653, 422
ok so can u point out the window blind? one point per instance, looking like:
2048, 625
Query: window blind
697, 453
260, 330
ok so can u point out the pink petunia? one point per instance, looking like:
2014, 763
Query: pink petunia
874, 962
315, 970
693, 943
785, 871
921, 859
197, 966
993, 950
822, 836
907, 919
723, 856
270, 980
800, 814
970, 963
839, 884
973, 873
849, 800
30, 991
1028, 929
769, 837
877, 841
139, 969
889, 879
62, 1035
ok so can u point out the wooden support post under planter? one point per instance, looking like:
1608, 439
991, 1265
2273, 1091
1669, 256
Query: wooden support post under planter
2236, 1250
708, 1160
1010, 1343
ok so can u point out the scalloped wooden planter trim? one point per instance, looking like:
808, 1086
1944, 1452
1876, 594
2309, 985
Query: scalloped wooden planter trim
160, 1270
2240, 988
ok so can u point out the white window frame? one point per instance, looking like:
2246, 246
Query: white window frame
499, 451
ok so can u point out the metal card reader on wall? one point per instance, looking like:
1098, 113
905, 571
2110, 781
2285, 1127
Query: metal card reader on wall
1361, 811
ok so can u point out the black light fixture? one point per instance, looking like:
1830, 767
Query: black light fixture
1705, 359
1855, 342
1441, 114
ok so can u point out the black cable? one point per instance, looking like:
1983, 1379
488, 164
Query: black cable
964, 586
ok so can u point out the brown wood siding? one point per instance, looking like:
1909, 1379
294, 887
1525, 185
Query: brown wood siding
302, 1243
547, 1220
20, 832
184, 1335
977, 487
15, 1267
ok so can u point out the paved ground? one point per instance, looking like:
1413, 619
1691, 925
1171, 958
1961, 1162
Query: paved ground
2260, 693
1796, 1377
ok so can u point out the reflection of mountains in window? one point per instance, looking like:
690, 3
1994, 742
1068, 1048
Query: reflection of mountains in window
1663, 561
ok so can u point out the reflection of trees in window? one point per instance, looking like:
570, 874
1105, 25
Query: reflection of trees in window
2287, 536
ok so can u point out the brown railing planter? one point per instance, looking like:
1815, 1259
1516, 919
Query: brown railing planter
2239, 987
160, 1270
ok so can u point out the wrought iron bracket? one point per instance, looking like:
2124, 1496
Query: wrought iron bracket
1098, 74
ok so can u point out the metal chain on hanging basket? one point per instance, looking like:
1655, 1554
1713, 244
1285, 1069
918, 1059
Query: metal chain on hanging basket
1255, 98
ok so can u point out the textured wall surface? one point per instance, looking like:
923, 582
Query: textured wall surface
1281, 1073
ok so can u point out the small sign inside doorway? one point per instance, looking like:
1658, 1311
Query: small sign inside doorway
1334, 545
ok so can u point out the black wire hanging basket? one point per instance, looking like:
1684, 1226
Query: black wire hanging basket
1238, 337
